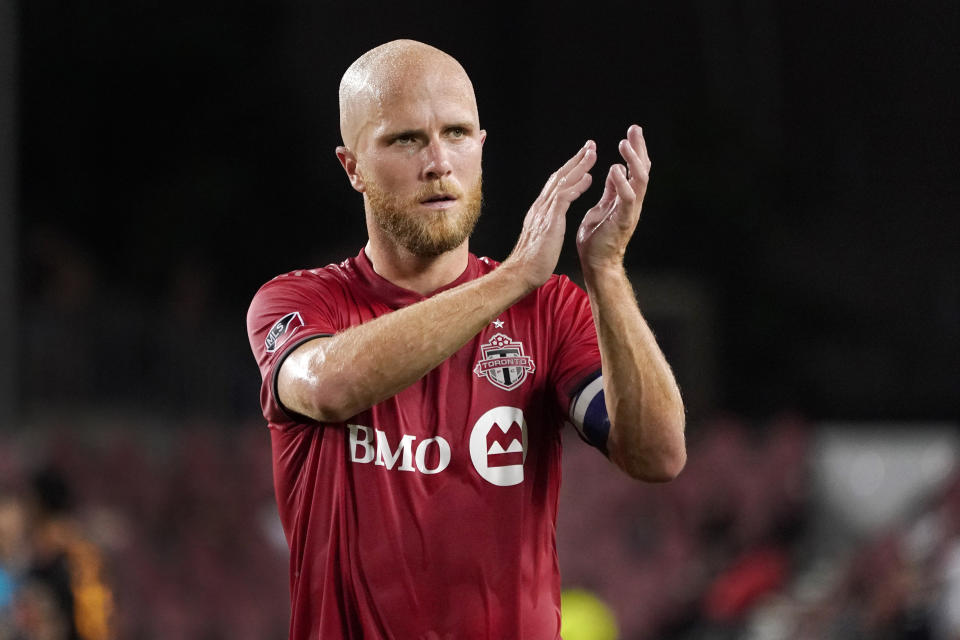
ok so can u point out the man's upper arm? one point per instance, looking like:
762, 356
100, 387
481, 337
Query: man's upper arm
285, 314
292, 379
576, 374
588, 412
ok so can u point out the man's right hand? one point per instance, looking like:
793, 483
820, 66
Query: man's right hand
537, 251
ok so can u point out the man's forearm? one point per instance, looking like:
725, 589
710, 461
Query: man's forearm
334, 378
643, 401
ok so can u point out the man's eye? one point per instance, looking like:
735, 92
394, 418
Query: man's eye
403, 140
457, 132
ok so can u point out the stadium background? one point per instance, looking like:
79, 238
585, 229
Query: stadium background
798, 256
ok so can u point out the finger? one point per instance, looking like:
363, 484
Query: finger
606, 203
634, 163
586, 150
562, 176
639, 143
570, 186
574, 191
624, 190
585, 161
609, 190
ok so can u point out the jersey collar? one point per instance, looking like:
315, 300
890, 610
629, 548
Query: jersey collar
397, 297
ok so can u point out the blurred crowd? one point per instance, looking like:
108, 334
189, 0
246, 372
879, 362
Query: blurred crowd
119, 526
695, 553
156, 534
136, 496
736, 548
52, 582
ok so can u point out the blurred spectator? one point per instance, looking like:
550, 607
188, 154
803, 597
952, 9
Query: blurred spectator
66, 571
38, 614
13, 557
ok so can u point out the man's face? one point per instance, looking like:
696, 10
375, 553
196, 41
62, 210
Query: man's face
419, 158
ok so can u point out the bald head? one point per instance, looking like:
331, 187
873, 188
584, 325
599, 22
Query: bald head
392, 71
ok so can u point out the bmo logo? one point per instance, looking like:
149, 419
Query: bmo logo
498, 446
371, 445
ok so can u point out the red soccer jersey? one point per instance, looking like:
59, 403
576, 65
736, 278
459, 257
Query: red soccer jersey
432, 515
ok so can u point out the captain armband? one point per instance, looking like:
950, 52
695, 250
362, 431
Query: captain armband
588, 413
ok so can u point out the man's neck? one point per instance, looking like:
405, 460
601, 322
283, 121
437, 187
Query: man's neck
415, 273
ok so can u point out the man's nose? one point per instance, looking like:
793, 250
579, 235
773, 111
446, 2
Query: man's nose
437, 161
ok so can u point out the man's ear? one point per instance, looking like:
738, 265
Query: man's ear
483, 136
348, 160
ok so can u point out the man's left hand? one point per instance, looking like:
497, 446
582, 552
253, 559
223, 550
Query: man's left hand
607, 227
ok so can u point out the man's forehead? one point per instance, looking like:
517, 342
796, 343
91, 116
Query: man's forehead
401, 73
426, 86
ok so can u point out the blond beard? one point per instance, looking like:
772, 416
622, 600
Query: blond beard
426, 233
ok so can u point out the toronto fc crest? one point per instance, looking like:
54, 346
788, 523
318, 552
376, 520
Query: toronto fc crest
503, 362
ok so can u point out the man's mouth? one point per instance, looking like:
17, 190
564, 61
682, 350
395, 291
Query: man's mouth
439, 201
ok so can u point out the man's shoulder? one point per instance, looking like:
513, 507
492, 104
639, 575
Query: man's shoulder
337, 271
308, 283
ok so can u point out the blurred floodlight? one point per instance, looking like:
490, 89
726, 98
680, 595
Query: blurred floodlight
868, 476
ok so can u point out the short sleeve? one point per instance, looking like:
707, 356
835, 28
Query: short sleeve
576, 354
285, 313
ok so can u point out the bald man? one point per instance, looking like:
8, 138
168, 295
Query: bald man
415, 393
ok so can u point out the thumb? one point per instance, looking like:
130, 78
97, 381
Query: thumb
605, 204
609, 190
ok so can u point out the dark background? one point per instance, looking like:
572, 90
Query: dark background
798, 257
174, 156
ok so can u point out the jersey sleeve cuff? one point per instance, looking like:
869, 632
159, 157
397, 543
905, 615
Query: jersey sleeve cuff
291, 415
